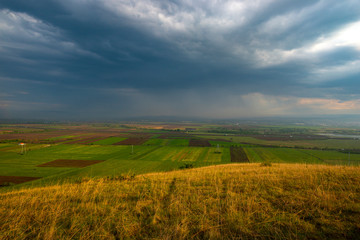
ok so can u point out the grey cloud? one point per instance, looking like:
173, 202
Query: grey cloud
174, 54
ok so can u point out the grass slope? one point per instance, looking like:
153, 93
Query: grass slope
284, 201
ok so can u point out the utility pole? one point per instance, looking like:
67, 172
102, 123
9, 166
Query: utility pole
23, 148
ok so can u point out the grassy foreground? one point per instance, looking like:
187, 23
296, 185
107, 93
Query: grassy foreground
242, 201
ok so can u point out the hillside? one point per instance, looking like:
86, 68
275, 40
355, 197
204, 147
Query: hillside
282, 201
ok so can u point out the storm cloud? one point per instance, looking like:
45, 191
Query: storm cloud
107, 59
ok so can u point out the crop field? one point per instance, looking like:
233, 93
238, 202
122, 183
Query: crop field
109, 141
238, 154
42, 160
199, 143
123, 150
279, 155
178, 142
174, 136
286, 155
172, 181
158, 156
31, 137
69, 163
156, 141
321, 144
5, 180
132, 141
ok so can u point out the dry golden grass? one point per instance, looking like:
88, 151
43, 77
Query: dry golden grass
238, 201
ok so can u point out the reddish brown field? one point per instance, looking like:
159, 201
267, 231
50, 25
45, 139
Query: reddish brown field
199, 143
34, 137
238, 154
132, 141
220, 140
86, 139
70, 163
168, 126
175, 136
15, 179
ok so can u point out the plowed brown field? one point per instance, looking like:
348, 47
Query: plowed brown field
238, 154
199, 143
70, 163
16, 179
132, 141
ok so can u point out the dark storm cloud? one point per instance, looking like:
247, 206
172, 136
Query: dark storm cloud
147, 57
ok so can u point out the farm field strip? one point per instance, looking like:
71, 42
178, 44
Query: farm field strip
63, 137
132, 141
214, 143
326, 143
156, 141
189, 155
29, 171
253, 156
332, 155
278, 155
109, 141
144, 154
32, 136
86, 140
288, 155
86, 149
175, 136
154, 154
70, 163
2, 145
178, 142
267, 155
213, 156
294, 155
176, 154
15, 148
16, 179
199, 143
238, 155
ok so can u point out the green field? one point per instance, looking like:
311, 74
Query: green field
163, 151
154, 156
118, 159
321, 144
291, 155
178, 142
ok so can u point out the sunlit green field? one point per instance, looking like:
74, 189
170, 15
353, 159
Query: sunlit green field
328, 143
118, 159
159, 153
291, 155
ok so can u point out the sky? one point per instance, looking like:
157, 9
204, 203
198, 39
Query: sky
112, 59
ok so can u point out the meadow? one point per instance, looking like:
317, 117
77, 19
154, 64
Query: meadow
96, 182
242, 201
143, 150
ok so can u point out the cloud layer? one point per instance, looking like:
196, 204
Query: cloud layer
217, 59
